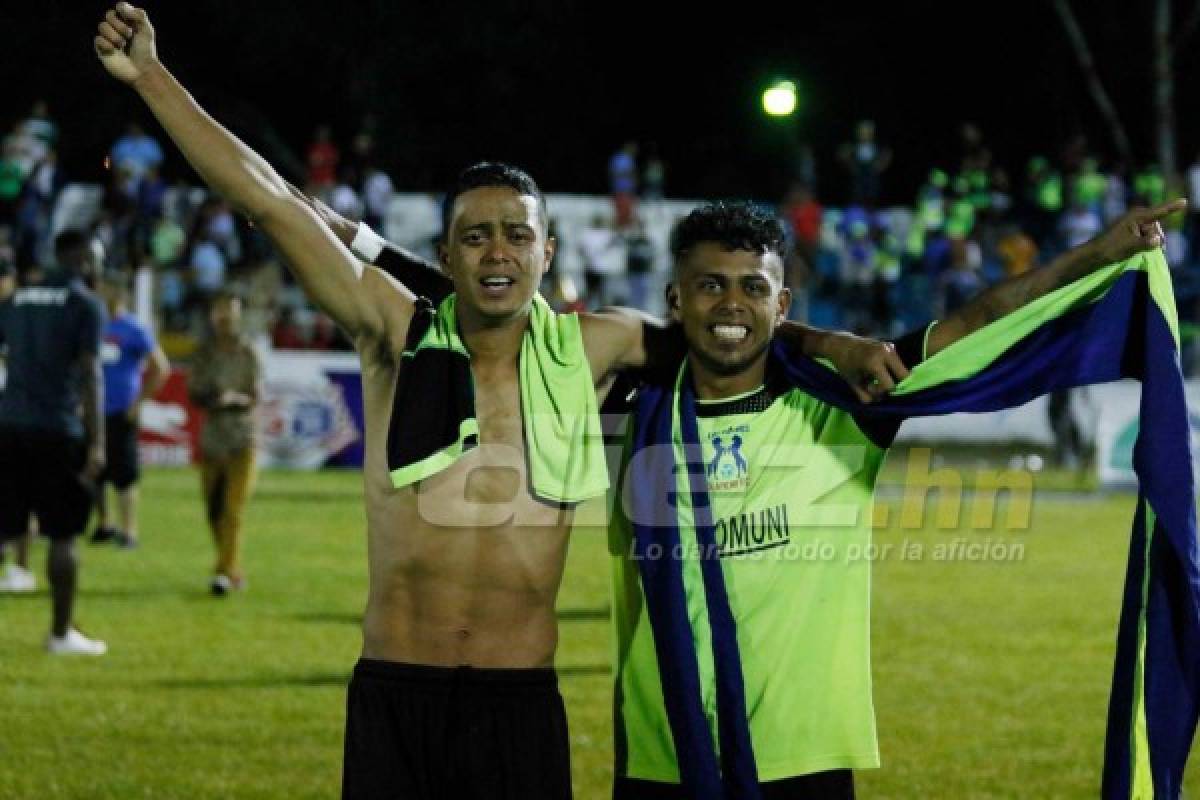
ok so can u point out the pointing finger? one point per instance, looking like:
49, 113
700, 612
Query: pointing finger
1164, 210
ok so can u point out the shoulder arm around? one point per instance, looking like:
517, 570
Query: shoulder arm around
625, 338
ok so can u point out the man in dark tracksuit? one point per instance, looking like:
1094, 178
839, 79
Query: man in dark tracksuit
50, 456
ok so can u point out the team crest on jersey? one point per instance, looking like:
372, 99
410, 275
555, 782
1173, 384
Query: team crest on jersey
727, 469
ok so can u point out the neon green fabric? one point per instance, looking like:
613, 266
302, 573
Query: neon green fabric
972, 354
794, 540
438, 461
558, 401
564, 443
1142, 778
795, 555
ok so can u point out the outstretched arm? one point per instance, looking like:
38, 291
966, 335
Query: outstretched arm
1136, 232
362, 303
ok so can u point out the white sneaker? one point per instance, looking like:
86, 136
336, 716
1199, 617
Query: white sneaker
17, 579
75, 644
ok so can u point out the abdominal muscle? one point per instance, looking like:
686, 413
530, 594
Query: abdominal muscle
465, 565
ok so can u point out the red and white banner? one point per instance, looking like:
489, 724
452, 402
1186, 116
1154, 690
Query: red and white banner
170, 425
310, 415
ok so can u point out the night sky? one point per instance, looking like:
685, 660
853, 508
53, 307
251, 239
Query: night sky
557, 86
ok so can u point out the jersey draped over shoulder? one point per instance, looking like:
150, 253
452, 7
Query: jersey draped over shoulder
433, 420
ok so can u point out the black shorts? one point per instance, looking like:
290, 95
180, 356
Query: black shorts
121, 451
835, 784
40, 474
430, 733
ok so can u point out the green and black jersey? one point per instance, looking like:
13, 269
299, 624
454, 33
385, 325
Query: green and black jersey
791, 482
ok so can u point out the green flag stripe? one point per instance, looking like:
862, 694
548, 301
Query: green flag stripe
1141, 780
971, 354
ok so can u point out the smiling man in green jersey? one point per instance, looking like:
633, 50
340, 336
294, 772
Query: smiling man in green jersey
789, 479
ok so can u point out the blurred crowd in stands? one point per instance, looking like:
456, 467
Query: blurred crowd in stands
875, 269
970, 224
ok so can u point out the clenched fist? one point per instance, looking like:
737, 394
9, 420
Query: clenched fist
125, 43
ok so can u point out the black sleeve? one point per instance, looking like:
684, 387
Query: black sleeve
665, 347
418, 275
911, 347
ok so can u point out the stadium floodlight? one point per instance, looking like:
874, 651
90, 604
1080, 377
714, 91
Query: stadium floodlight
779, 99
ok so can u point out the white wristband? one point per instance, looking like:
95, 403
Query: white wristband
367, 244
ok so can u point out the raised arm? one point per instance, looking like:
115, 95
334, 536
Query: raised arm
363, 303
1136, 232
421, 277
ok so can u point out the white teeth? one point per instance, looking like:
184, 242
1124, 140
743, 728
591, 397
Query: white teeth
730, 331
497, 282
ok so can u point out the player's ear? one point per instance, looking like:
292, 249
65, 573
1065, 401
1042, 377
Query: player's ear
673, 303
549, 250
785, 305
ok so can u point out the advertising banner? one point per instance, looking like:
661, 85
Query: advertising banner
310, 415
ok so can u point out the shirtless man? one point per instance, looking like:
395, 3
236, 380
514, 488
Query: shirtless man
455, 694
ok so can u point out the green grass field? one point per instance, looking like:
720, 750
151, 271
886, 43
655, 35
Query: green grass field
991, 678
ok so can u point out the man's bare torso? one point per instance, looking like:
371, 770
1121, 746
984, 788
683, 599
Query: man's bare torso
465, 565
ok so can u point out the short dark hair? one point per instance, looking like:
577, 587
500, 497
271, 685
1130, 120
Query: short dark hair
735, 225
488, 174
